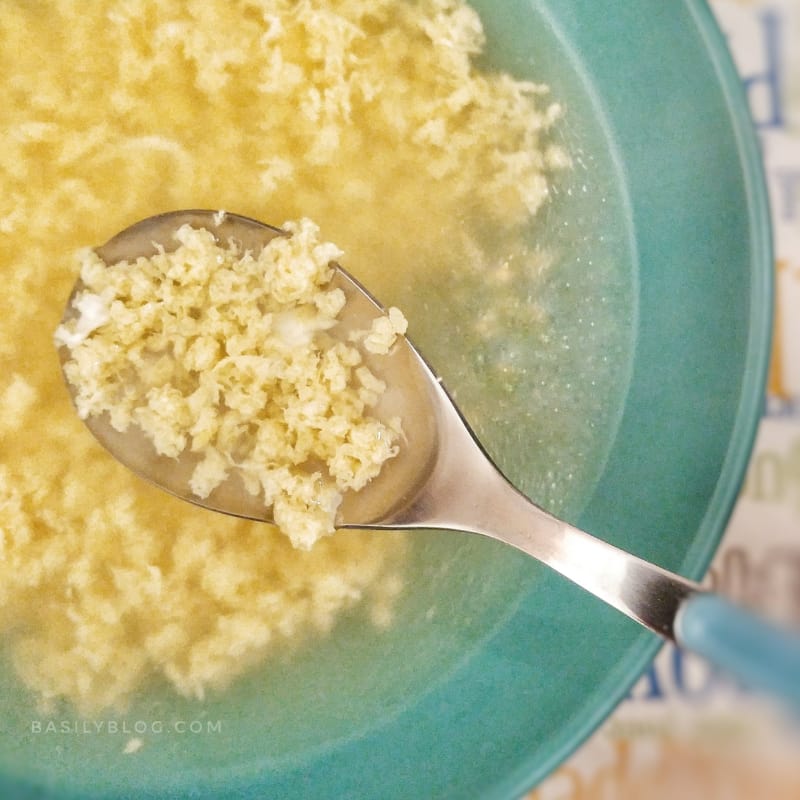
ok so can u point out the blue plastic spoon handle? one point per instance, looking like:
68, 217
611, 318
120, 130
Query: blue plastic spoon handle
756, 652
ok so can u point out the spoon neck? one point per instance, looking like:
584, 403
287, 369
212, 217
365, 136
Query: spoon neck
466, 492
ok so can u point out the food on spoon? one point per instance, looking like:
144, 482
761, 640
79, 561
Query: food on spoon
233, 357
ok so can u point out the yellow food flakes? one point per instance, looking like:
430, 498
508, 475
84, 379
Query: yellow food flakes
384, 331
228, 356
370, 117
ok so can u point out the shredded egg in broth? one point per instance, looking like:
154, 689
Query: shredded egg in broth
370, 117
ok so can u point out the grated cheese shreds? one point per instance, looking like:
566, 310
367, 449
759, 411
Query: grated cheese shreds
226, 355
369, 116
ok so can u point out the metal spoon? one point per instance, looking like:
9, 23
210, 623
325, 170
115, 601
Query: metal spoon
443, 479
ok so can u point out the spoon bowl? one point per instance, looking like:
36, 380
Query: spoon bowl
409, 384
444, 480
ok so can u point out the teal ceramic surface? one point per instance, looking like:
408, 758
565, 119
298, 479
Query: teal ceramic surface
516, 667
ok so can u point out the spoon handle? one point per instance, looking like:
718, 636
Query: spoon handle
752, 650
640, 589
465, 491
761, 655
756, 652
483, 501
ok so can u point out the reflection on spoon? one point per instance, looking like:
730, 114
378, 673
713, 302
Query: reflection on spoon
443, 479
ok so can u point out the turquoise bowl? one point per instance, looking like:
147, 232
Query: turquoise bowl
486, 701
